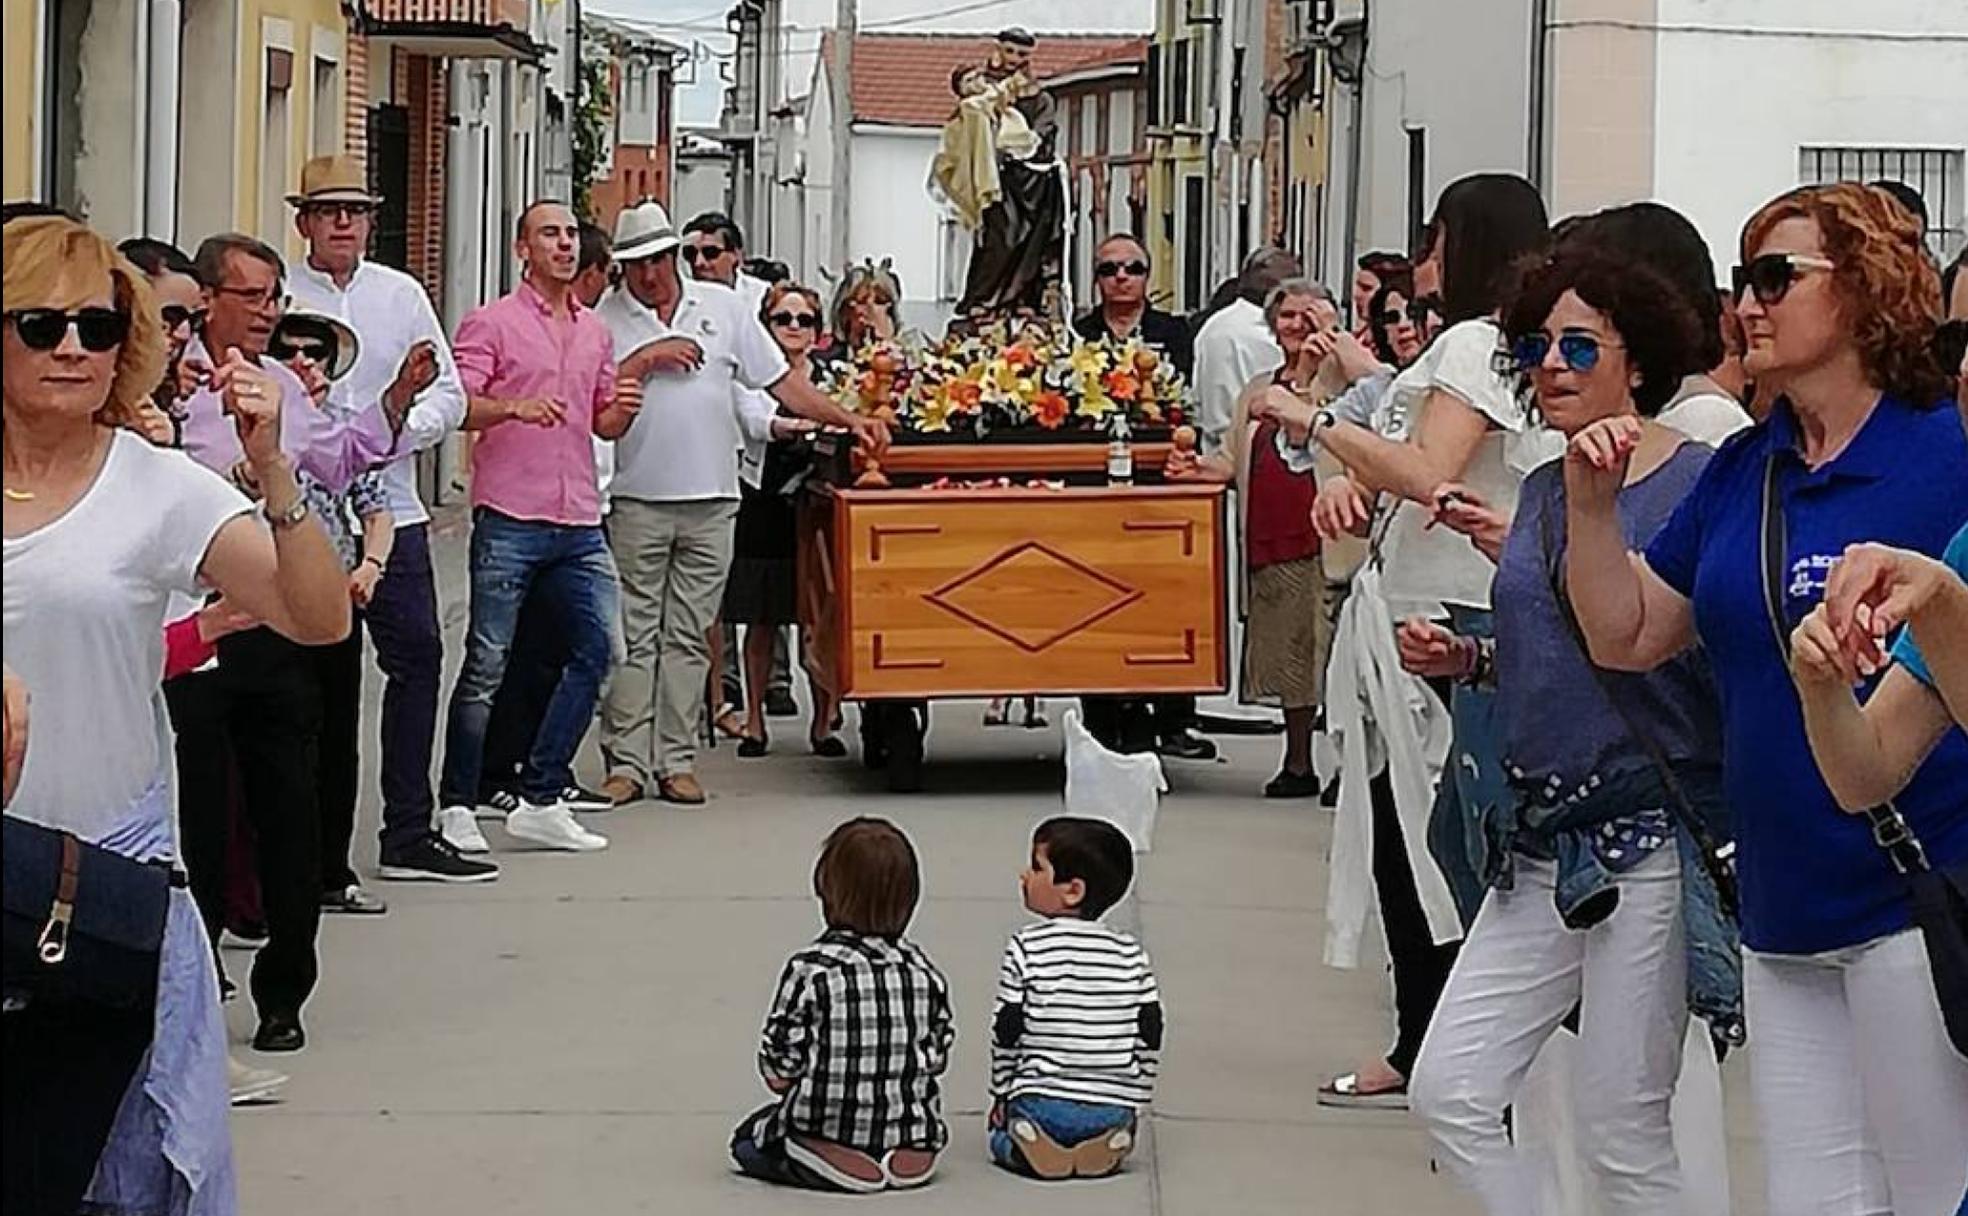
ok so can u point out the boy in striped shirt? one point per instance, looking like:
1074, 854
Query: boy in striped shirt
1077, 1037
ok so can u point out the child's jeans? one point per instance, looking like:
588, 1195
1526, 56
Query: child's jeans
1066, 1122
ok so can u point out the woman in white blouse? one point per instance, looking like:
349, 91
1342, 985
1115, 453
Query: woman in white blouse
101, 528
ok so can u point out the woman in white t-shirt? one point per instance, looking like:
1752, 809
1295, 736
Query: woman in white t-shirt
1451, 418
101, 530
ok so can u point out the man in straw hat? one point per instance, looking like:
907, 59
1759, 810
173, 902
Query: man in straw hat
404, 362
688, 345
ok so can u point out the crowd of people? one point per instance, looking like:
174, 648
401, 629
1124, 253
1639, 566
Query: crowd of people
1627, 612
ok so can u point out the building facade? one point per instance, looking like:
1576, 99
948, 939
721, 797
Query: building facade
640, 160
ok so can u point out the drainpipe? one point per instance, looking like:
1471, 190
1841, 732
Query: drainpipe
159, 216
1356, 147
1535, 125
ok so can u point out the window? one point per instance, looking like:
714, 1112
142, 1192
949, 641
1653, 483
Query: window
327, 107
1934, 172
1179, 109
1417, 186
275, 132
1193, 289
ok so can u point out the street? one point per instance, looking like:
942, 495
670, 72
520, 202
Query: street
579, 1036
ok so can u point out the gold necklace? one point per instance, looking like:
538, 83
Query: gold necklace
14, 495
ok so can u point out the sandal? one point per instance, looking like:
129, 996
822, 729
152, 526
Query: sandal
1344, 1093
729, 722
750, 748
828, 746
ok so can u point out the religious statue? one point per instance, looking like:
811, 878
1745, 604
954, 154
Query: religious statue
997, 171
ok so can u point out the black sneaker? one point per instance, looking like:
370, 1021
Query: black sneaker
1186, 745
578, 797
1288, 784
434, 859
496, 806
779, 703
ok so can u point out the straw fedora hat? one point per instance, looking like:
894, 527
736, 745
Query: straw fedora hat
333, 179
643, 231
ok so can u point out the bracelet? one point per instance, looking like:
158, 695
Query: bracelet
370, 559
1482, 663
282, 521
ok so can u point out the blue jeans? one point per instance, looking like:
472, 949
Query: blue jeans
568, 569
402, 621
1068, 1123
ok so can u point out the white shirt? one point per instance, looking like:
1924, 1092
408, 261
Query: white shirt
390, 313
1427, 568
752, 292
684, 445
1233, 348
1702, 411
85, 606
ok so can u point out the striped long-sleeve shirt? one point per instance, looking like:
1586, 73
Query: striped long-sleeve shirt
860, 1032
1078, 1016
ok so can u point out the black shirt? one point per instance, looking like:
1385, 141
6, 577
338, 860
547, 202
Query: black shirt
1166, 332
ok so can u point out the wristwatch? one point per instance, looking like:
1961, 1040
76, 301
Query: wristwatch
282, 521
1322, 418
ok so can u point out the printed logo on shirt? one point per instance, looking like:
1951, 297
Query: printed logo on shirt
1808, 576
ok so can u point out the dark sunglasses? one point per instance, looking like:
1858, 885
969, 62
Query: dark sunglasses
341, 211
703, 253
1772, 275
1579, 351
1419, 310
313, 350
1108, 270
798, 320
1389, 318
177, 314
98, 329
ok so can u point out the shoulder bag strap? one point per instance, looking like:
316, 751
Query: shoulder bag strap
1890, 830
1718, 857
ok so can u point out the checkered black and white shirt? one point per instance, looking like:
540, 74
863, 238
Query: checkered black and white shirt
861, 1027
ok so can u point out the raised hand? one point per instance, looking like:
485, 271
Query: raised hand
1817, 656
672, 355
418, 371
312, 378
154, 424
1597, 457
1291, 412
1460, 509
252, 398
1873, 590
1342, 509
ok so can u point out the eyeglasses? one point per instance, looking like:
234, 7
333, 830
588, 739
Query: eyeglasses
1772, 275
1579, 351
313, 350
703, 253
346, 212
797, 320
254, 297
177, 314
98, 329
1135, 269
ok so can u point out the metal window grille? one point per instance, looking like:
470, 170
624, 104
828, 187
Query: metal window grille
1935, 172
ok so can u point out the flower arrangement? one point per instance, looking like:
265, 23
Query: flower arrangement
1003, 379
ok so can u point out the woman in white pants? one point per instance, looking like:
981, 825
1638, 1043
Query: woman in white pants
1586, 907
1863, 1105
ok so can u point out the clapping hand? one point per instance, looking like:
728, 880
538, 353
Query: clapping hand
1428, 650
1291, 412
1597, 457
1460, 509
252, 398
538, 411
1873, 590
1342, 509
676, 355
1356, 362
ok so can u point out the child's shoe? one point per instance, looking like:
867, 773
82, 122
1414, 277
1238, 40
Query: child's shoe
839, 1165
1102, 1155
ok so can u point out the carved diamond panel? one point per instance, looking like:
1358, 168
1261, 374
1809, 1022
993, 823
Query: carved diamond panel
1033, 596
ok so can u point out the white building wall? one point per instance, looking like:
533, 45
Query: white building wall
892, 216
1745, 84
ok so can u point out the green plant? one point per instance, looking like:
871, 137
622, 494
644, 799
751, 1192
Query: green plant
593, 115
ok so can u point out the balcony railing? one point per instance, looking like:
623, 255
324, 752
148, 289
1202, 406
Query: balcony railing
514, 14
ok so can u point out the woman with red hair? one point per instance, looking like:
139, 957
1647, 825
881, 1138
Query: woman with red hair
1863, 1102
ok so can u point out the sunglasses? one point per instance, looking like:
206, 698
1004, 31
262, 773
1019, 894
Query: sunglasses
1389, 318
313, 350
346, 212
177, 314
98, 329
1419, 310
1772, 275
797, 320
1108, 270
703, 253
1579, 351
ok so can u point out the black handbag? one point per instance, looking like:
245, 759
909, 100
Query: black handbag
1939, 896
83, 924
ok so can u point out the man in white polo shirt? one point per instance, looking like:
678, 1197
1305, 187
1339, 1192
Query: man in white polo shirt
675, 493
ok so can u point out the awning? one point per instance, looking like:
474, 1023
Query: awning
453, 40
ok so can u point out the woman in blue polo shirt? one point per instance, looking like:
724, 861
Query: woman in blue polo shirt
1863, 1104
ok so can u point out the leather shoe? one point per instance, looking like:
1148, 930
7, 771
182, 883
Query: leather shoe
621, 790
680, 788
279, 1032
1186, 745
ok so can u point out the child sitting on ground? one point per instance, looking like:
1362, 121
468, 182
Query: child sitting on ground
858, 1034
1077, 1036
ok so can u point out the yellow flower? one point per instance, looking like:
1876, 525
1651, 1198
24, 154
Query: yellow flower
1093, 398
1089, 361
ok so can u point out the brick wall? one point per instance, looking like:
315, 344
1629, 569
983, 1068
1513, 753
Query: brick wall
355, 124
1276, 155
421, 84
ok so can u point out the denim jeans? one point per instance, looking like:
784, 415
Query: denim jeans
402, 620
1068, 1123
568, 568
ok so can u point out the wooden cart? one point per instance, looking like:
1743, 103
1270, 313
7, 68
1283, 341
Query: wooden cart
910, 594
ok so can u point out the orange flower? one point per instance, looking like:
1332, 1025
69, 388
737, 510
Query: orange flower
1121, 384
1021, 357
1049, 409
965, 395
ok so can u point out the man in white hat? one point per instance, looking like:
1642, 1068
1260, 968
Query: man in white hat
405, 362
690, 344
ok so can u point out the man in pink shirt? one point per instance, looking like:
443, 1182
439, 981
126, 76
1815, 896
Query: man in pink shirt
538, 373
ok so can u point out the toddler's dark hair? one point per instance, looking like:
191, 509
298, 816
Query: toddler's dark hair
1093, 851
867, 878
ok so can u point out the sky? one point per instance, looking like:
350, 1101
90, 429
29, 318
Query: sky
698, 24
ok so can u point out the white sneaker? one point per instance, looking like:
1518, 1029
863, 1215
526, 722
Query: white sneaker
251, 1086
458, 825
554, 827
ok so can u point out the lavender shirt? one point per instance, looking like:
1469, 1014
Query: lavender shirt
331, 447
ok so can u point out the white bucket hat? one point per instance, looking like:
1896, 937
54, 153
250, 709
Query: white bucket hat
643, 231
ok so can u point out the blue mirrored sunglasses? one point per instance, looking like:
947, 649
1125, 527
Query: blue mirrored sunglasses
1579, 351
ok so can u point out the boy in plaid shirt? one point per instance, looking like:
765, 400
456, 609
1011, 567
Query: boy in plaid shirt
858, 1034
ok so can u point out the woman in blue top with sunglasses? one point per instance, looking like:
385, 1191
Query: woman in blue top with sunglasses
1863, 1104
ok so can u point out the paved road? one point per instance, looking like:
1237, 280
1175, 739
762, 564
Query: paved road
579, 1036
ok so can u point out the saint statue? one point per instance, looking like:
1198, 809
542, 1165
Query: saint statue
997, 171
